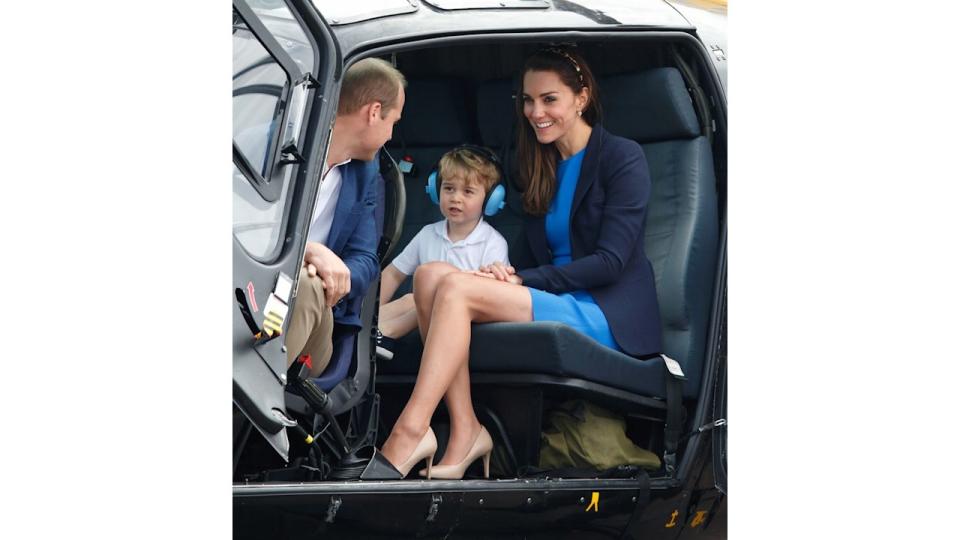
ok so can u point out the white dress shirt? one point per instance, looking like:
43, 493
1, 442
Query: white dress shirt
326, 205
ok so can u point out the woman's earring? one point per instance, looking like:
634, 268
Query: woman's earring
579, 113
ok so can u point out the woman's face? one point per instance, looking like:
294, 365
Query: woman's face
550, 106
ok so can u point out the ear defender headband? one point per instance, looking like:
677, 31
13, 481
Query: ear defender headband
493, 200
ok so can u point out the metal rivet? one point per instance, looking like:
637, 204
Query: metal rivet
283, 378
583, 500
481, 501
529, 500
283, 348
634, 499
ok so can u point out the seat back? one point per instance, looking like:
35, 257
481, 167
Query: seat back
654, 108
435, 119
496, 120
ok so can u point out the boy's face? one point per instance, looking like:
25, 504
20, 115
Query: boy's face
461, 201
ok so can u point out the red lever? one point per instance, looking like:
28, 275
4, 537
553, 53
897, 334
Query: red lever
305, 358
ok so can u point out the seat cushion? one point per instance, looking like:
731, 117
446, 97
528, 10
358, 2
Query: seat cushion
543, 348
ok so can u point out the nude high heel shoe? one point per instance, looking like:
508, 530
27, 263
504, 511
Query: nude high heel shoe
380, 468
426, 449
482, 447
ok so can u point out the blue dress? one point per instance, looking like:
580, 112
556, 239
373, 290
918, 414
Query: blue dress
576, 309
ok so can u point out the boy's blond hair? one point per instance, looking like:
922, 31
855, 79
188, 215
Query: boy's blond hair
469, 165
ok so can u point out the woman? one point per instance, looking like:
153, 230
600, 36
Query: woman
585, 198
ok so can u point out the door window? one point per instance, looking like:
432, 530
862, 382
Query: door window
261, 89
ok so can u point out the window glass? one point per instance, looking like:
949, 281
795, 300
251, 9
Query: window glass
258, 85
276, 16
256, 222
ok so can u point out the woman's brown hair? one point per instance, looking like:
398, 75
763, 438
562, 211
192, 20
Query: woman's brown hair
537, 163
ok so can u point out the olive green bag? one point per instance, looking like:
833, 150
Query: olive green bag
582, 435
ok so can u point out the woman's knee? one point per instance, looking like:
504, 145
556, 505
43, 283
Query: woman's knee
428, 275
456, 287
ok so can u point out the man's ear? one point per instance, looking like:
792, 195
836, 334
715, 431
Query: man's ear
374, 113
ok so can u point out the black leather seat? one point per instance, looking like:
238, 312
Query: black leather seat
653, 108
496, 121
435, 119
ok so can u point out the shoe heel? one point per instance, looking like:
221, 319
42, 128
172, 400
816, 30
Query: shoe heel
486, 465
429, 465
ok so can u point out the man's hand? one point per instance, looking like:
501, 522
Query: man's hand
501, 272
325, 264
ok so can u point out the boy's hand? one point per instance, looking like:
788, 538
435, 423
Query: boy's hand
323, 263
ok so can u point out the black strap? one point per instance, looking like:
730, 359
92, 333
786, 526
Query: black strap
674, 426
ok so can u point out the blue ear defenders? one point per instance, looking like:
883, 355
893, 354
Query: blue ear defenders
494, 199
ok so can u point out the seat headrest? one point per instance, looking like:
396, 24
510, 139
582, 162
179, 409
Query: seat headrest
435, 113
648, 106
495, 111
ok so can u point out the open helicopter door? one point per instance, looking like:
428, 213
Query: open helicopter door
719, 433
285, 66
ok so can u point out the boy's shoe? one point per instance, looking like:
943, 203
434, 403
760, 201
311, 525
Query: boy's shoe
385, 346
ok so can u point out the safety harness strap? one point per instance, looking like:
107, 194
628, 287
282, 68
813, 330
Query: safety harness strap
674, 378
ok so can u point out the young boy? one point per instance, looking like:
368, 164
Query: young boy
463, 239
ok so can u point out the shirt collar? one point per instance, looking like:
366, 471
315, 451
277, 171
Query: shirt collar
327, 169
478, 235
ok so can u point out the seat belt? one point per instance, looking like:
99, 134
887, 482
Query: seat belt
674, 378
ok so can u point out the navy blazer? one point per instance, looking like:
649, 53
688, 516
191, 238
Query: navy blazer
353, 235
607, 222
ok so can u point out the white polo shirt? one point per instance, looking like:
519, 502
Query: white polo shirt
483, 246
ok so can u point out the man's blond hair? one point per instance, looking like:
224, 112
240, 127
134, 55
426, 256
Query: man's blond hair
370, 80
469, 165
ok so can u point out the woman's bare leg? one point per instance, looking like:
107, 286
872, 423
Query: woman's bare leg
426, 279
458, 397
460, 299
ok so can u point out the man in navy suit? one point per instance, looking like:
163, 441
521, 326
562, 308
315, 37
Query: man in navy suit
340, 262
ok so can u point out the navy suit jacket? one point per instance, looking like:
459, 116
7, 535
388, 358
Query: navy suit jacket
354, 236
607, 222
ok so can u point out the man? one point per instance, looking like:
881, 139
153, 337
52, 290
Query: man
340, 261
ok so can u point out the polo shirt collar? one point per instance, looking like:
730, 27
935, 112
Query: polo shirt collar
478, 235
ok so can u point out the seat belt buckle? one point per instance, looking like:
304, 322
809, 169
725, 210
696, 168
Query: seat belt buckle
673, 367
275, 310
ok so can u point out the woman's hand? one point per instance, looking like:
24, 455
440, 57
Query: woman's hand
502, 272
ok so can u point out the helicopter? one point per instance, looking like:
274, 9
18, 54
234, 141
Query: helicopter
300, 442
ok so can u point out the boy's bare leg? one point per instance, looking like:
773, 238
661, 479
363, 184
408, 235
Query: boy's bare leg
400, 326
398, 318
396, 308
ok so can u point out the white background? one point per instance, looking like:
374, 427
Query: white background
843, 275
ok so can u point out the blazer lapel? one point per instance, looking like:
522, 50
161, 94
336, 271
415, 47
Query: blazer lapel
537, 238
589, 169
345, 203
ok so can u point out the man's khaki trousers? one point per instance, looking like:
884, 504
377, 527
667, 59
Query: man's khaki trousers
311, 325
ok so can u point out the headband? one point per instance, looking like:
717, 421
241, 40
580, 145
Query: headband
566, 55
